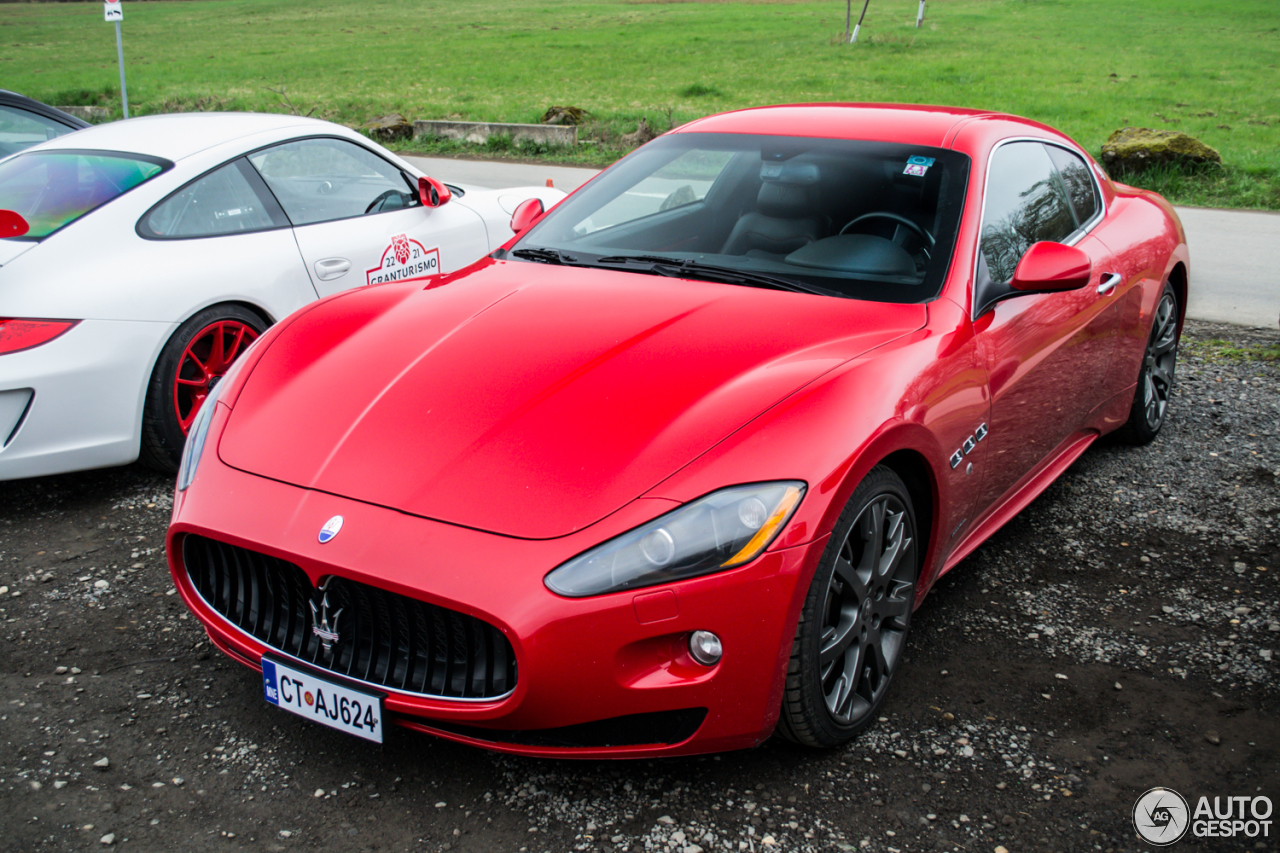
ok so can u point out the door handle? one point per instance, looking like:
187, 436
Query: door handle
1109, 282
331, 268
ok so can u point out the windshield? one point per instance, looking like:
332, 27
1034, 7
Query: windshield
864, 220
51, 189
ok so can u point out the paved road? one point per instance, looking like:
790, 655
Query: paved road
1235, 255
1235, 265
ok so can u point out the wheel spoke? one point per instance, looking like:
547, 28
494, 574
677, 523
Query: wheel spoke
847, 574
893, 544
190, 357
897, 607
839, 696
836, 640
846, 673
218, 350
1160, 379
874, 669
872, 535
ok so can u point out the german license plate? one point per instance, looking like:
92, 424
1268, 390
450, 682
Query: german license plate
320, 700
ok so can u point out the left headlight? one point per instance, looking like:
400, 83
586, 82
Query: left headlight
725, 529
194, 447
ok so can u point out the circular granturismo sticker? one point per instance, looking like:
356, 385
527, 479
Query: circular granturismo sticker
403, 259
1161, 816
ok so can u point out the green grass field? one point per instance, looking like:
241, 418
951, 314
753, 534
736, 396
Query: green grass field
1207, 67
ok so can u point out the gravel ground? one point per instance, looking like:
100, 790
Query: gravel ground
1118, 635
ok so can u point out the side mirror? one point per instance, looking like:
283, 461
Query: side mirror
527, 213
1048, 267
12, 224
432, 192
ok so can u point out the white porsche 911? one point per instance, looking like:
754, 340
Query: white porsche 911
138, 259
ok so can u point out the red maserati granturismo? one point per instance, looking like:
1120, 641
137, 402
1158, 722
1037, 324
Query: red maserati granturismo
670, 470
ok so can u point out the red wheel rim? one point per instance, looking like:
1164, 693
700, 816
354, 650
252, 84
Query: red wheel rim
206, 358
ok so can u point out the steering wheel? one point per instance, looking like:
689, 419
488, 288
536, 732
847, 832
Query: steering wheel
382, 197
901, 220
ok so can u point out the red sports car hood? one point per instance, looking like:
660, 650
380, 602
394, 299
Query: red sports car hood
531, 400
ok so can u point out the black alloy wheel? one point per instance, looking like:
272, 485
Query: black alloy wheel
853, 628
1155, 379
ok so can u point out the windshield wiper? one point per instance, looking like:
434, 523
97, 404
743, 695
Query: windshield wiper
675, 267
638, 259
546, 256
729, 275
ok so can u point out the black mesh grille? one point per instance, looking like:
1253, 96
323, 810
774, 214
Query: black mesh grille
386, 639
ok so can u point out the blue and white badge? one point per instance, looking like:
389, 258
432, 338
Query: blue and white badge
330, 529
269, 687
918, 166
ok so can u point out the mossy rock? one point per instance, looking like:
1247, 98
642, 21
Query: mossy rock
1133, 149
389, 128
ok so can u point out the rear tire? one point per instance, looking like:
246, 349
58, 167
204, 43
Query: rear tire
853, 628
197, 355
1155, 379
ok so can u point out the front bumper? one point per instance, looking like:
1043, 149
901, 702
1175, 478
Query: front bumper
594, 675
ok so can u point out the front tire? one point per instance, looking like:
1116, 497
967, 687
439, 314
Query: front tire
1155, 380
853, 628
197, 355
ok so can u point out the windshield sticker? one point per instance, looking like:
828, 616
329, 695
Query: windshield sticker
404, 259
918, 166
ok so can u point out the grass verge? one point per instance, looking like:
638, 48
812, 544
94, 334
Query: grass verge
1206, 67
1219, 350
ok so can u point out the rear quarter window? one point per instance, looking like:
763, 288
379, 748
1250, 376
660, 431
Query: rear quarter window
52, 189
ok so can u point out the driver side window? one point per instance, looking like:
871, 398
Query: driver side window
320, 180
1025, 204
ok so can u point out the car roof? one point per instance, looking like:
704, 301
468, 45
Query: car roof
178, 135
13, 99
912, 124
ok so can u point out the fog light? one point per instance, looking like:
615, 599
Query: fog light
705, 648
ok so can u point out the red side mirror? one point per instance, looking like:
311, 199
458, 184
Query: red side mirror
12, 224
527, 213
432, 192
1052, 266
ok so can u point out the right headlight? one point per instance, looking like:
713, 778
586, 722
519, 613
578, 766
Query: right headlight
725, 529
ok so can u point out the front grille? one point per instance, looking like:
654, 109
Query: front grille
385, 639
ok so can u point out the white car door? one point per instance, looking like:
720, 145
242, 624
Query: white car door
358, 219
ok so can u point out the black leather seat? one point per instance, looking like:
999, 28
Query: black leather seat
786, 217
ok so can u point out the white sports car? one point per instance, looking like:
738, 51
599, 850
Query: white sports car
138, 259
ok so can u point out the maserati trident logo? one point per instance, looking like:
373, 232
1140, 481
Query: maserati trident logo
323, 623
330, 529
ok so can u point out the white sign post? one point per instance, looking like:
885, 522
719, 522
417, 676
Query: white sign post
113, 10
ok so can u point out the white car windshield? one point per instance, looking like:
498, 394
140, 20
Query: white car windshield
867, 220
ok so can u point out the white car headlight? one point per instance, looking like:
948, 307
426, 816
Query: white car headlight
720, 531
